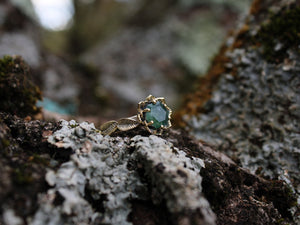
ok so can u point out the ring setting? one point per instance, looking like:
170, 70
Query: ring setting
153, 114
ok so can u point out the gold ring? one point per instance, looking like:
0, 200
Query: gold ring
153, 113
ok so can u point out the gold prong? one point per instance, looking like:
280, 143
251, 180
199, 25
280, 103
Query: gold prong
162, 100
139, 117
150, 98
140, 111
149, 130
146, 110
150, 123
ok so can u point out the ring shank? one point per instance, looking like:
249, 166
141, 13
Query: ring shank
122, 124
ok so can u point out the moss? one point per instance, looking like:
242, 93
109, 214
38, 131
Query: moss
17, 92
22, 177
39, 160
6, 64
5, 143
283, 29
281, 221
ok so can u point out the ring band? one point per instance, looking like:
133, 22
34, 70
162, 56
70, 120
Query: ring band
153, 113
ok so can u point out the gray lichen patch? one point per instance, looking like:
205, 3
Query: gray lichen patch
97, 185
9, 217
175, 177
254, 116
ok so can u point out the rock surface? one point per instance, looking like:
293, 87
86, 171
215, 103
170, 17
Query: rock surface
249, 104
68, 173
106, 170
75, 175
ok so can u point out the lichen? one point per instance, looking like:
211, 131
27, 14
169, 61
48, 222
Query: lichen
10, 217
272, 27
114, 171
251, 110
253, 116
175, 177
17, 92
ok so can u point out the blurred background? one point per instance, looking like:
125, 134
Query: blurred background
98, 58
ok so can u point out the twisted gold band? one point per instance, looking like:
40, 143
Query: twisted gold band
122, 124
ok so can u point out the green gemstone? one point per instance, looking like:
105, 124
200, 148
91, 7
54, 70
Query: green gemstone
158, 114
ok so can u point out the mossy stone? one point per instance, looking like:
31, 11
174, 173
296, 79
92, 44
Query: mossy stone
18, 93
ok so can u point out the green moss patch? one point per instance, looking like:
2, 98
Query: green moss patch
280, 34
17, 92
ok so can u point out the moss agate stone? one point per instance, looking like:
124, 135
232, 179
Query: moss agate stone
158, 114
